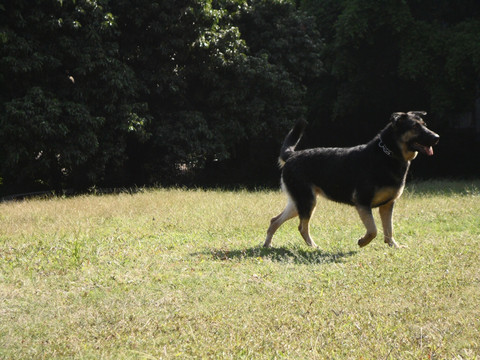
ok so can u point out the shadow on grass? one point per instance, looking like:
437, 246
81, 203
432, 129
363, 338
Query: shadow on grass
282, 254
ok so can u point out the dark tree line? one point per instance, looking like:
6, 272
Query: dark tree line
117, 93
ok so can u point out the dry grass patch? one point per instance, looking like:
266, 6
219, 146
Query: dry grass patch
180, 274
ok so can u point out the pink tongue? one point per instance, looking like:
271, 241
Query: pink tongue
429, 150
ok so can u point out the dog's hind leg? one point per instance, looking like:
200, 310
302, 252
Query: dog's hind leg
386, 213
305, 210
289, 212
367, 219
305, 232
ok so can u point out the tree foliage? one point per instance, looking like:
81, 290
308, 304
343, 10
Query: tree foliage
115, 93
67, 97
384, 55
132, 91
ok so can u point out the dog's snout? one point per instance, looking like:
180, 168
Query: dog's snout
432, 137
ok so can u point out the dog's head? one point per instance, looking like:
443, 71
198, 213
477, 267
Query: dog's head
412, 134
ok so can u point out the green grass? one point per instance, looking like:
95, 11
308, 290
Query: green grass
165, 274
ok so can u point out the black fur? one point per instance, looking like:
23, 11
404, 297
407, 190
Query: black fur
291, 140
365, 176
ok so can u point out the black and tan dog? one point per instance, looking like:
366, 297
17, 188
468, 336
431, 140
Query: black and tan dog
365, 176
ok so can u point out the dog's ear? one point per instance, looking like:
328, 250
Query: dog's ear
396, 116
417, 113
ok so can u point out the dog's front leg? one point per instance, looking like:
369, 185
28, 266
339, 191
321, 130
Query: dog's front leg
367, 219
386, 214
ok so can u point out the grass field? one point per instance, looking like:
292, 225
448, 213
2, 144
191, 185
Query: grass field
170, 273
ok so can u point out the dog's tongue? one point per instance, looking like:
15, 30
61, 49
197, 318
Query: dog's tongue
428, 150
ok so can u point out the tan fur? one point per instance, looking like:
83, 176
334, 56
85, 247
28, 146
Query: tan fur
367, 219
386, 214
304, 229
386, 194
289, 212
320, 192
408, 154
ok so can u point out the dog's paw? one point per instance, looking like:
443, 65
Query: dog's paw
394, 244
361, 242
365, 241
369, 236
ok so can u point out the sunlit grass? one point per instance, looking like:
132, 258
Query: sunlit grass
174, 273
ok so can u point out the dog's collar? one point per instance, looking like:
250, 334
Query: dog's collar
384, 147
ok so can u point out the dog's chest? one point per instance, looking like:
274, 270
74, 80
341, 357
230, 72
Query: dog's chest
386, 194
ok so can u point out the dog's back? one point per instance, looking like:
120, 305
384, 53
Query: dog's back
331, 172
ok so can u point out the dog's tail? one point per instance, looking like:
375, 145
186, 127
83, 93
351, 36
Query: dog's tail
291, 141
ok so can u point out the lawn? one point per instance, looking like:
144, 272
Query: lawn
174, 273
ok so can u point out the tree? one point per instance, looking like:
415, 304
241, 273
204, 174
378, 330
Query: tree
121, 92
387, 56
212, 91
67, 101
442, 51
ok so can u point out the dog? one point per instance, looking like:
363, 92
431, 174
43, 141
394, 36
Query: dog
365, 176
